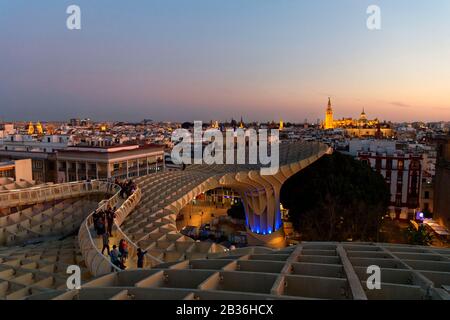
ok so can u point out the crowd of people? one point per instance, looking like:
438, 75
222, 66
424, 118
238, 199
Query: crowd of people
103, 223
119, 255
127, 187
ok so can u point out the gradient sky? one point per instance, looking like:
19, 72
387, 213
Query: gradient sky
186, 60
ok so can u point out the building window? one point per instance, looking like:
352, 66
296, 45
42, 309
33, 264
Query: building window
398, 200
37, 164
400, 165
7, 174
388, 175
415, 165
389, 164
427, 195
378, 164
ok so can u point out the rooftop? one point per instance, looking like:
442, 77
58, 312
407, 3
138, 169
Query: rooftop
311, 270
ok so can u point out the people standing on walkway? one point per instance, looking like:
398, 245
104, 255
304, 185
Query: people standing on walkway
140, 257
100, 226
95, 218
110, 216
114, 255
123, 249
105, 238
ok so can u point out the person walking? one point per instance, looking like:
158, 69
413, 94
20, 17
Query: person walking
123, 250
110, 218
100, 227
105, 238
114, 255
95, 218
140, 258
123, 190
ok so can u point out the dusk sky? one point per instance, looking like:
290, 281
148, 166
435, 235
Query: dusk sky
186, 60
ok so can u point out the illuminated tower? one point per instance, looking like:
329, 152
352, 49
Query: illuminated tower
281, 125
39, 128
363, 116
329, 116
30, 128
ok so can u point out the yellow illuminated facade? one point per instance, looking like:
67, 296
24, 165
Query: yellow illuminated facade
357, 127
30, 128
281, 127
329, 124
241, 124
39, 128
215, 124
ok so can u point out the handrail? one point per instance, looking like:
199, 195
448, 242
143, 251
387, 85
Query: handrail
123, 213
42, 193
44, 186
95, 261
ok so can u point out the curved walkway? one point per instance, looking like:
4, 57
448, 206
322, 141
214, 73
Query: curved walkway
152, 226
147, 219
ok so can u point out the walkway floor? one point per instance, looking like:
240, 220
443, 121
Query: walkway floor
131, 262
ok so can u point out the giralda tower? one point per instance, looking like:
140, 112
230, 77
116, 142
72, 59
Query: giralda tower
329, 116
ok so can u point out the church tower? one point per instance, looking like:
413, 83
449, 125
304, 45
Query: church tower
39, 128
241, 124
30, 128
329, 116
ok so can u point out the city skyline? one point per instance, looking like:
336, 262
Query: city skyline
175, 61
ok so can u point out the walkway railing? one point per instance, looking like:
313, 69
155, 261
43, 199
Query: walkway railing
121, 214
95, 261
46, 193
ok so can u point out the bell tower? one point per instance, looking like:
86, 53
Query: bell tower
329, 116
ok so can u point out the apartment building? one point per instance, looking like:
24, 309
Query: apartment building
402, 171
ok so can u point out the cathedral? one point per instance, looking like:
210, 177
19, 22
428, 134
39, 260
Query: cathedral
356, 127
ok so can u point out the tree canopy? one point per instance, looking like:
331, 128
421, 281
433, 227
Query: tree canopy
337, 198
421, 236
